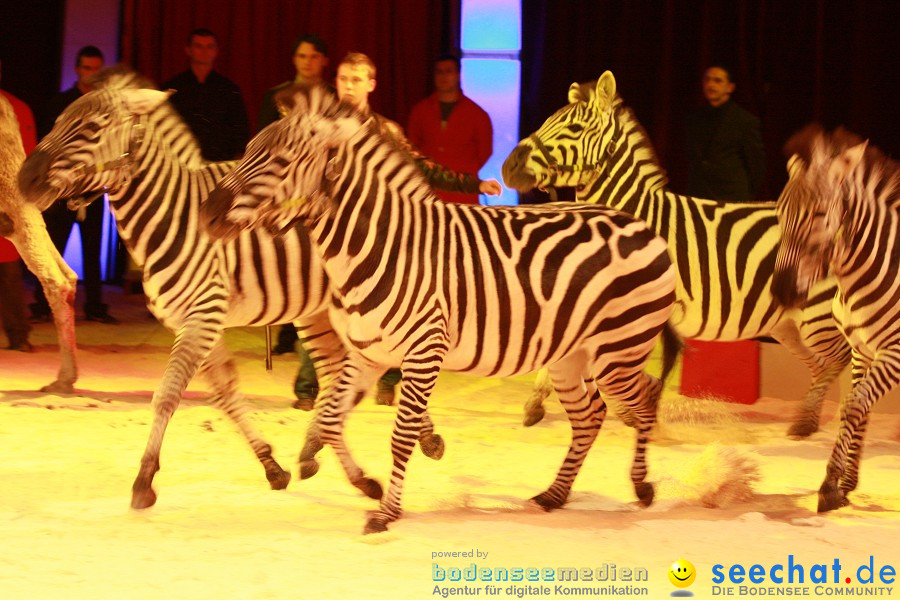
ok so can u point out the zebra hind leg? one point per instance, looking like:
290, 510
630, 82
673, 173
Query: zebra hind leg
581, 400
534, 406
643, 406
220, 372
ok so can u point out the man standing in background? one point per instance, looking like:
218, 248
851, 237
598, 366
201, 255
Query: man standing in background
210, 103
59, 218
450, 128
725, 149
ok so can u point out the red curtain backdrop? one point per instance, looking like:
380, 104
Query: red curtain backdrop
794, 62
255, 37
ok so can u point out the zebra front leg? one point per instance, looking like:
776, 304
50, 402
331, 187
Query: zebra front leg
419, 377
534, 406
221, 374
431, 443
193, 343
878, 380
850, 478
355, 378
824, 354
579, 396
59, 281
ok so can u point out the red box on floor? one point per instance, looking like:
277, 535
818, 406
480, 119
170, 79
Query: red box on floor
728, 370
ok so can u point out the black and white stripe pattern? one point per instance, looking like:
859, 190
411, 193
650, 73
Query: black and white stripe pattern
724, 253
840, 213
424, 285
128, 140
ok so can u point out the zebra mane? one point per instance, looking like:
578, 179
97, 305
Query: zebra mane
120, 77
814, 145
632, 128
318, 99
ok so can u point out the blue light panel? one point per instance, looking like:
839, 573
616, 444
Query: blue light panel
492, 25
494, 85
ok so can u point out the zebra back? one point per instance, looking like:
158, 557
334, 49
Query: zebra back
724, 252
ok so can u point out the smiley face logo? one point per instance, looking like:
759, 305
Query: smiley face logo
682, 573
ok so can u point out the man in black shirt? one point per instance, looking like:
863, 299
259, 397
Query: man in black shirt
59, 218
725, 149
210, 103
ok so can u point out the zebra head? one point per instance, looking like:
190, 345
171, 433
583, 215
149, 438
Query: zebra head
573, 146
92, 143
811, 212
286, 170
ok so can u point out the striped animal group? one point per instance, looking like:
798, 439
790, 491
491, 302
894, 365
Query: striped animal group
324, 224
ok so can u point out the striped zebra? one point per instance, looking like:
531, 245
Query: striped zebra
840, 213
424, 285
130, 141
724, 253
23, 224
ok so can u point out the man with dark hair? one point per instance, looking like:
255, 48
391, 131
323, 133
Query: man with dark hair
59, 218
450, 128
725, 149
210, 103
310, 56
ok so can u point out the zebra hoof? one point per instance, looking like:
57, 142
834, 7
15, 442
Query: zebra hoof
143, 499
645, 493
547, 502
533, 416
278, 479
58, 387
374, 525
308, 468
370, 488
831, 500
303, 404
802, 429
432, 446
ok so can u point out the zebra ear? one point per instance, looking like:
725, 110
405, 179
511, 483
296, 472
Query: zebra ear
795, 166
575, 93
846, 162
143, 101
605, 91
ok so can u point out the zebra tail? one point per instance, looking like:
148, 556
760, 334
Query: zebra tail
672, 345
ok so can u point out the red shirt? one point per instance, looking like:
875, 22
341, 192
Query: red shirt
463, 144
29, 141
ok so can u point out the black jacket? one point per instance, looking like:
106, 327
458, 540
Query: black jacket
725, 149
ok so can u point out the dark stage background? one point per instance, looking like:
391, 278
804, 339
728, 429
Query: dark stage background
794, 62
835, 62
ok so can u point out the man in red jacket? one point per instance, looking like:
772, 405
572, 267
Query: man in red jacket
12, 291
451, 129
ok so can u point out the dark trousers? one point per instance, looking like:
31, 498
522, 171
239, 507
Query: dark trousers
59, 220
12, 303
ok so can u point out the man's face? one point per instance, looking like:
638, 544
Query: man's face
354, 84
309, 62
446, 76
87, 68
202, 50
717, 87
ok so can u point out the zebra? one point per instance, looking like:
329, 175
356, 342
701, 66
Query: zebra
724, 253
126, 138
424, 285
23, 225
840, 213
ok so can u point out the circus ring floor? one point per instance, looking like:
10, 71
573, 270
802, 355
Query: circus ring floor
218, 531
